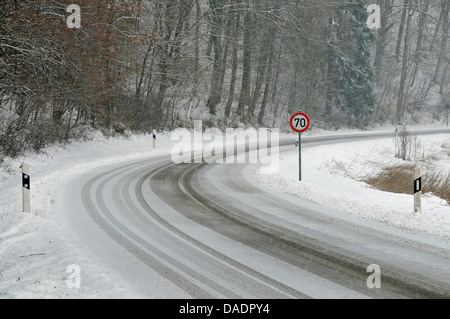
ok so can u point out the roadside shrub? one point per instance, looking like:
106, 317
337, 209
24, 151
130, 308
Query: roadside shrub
399, 179
406, 144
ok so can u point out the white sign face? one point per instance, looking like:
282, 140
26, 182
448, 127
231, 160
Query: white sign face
300, 122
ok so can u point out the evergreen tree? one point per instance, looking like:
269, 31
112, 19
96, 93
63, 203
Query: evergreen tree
350, 72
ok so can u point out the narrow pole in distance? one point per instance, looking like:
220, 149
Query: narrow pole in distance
26, 188
154, 138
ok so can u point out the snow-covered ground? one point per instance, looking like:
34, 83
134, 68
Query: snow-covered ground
331, 177
35, 252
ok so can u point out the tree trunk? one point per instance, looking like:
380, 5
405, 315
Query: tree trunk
234, 66
401, 94
260, 74
439, 23
198, 15
267, 84
275, 86
386, 9
216, 42
400, 30
244, 100
424, 7
443, 49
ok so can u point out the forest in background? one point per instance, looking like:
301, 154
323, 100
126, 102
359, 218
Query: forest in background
138, 65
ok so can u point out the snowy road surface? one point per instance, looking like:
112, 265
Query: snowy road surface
210, 231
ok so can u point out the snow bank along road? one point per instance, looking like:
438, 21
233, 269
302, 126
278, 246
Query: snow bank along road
210, 231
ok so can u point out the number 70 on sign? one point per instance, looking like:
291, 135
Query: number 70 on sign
300, 122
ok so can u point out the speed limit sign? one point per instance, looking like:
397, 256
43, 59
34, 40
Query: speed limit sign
300, 122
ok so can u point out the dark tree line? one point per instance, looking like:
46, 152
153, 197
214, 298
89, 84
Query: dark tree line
53, 78
145, 64
254, 62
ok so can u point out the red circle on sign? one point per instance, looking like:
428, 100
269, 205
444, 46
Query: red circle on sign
296, 115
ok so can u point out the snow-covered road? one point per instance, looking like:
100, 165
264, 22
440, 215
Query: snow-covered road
149, 228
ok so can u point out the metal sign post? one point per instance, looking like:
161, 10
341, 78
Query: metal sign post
299, 156
300, 123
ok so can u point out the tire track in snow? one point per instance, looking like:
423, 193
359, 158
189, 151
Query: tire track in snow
124, 237
183, 183
181, 275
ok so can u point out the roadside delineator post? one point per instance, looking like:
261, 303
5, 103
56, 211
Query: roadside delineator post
417, 190
154, 138
26, 187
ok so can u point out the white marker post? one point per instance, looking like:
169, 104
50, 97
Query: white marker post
417, 190
154, 138
26, 187
300, 123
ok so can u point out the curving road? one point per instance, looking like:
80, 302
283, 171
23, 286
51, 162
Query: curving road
209, 231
